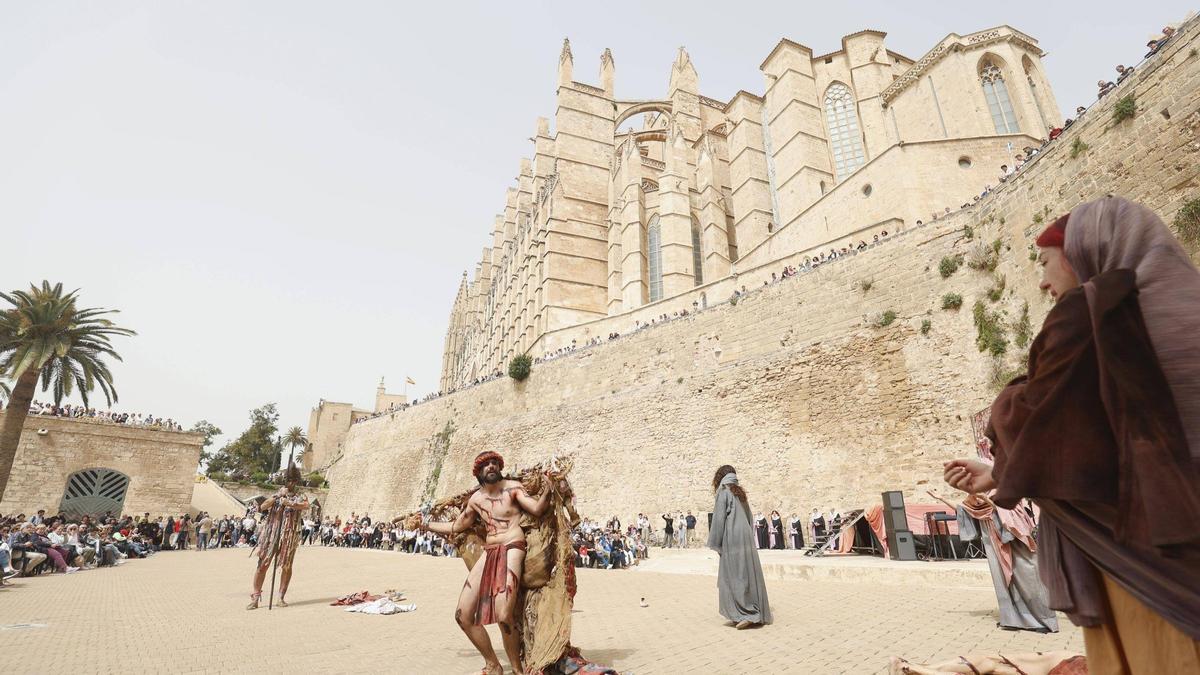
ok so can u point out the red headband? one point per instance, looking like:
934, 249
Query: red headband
484, 458
1054, 236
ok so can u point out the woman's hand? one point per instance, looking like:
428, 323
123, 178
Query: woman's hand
969, 475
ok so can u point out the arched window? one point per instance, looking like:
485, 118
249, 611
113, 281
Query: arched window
1027, 65
841, 117
697, 253
654, 258
996, 93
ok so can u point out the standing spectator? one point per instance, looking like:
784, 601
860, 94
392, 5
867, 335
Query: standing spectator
691, 529
742, 590
1123, 72
203, 529
668, 530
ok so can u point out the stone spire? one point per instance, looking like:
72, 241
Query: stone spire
608, 70
683, 74
566, 63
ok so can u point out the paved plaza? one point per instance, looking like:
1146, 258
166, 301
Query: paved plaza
182, 612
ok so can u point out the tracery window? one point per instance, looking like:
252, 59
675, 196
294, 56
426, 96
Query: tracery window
654, 258
841, 117
697, 253
996, 93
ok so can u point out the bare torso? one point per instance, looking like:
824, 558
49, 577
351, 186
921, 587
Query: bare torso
498, 510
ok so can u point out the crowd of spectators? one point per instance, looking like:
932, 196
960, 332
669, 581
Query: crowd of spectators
66, 544
361, 532
79, 412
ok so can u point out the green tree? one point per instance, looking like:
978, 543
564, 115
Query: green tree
44, 334
293, 437
255, 450
209, 430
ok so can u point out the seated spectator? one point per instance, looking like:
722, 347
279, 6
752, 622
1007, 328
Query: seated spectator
1123, 72
1055, 132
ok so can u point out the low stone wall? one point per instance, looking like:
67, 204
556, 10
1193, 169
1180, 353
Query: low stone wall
161, 464
802, 385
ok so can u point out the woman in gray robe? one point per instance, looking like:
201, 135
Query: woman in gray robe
742, 591
1023, 600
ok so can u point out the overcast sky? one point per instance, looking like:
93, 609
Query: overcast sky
281, 197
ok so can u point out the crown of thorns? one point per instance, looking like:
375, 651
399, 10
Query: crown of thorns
484, 458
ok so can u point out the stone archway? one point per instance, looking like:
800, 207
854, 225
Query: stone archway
94, 491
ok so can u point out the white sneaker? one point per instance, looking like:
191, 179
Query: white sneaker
72, 570
10, 573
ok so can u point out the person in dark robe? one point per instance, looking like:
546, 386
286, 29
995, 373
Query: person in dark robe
777, 531
817, 520
741, 587
168, 531
796, 532
668, 530
760, 531
1104, 435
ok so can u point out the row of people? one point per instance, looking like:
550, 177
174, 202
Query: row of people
105, 416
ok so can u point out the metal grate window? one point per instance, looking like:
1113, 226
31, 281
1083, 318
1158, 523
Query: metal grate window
95, 492
841, 117
697, 253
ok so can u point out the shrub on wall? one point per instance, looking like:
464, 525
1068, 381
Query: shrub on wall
985, 258
948, 266
997, 290
886, 319
1078, 147
1023, 329
1187, 222
989, 330
951, 301
1125, 109
926, 325
518, 368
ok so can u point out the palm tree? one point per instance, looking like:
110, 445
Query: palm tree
295, 436
45, 335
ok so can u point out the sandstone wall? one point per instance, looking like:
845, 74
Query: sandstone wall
797, 385
161, 465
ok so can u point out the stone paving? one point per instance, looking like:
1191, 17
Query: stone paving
181, 612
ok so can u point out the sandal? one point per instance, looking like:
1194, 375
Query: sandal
254, 598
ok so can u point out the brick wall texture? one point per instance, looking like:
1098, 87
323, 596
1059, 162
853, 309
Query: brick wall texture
797, 385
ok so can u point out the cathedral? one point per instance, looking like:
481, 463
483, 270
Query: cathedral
632, 208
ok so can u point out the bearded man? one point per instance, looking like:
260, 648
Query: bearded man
490, 591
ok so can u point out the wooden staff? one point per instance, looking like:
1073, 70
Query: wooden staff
275, 553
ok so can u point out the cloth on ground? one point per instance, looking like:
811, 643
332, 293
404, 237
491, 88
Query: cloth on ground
381, 606
354, 599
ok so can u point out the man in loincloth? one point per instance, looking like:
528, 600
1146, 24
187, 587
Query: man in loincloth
490, 591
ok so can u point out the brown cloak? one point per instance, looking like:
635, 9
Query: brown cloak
1094, 436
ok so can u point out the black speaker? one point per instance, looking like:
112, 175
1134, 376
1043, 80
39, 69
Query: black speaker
893, 512
901, 545
893, 499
